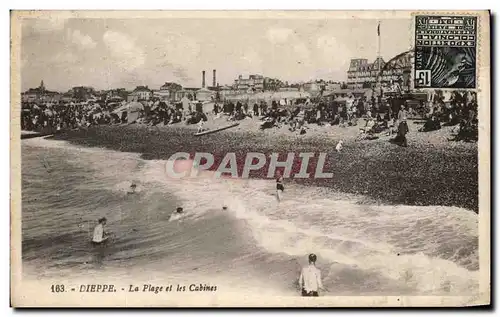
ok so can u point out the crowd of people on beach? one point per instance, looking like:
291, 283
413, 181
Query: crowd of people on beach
378, 115
58, 116
461, 110
63, 116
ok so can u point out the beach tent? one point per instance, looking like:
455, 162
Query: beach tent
132, 109
204, 94
289, 97
185, 103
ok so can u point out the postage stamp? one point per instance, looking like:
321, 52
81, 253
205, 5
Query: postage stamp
250, 159
445, 51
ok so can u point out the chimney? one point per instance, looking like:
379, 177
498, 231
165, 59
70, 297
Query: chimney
203, 79
214, 79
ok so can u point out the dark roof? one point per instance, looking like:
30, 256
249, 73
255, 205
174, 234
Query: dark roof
40, 91
34, 90
168, 85
141, 88
369, 66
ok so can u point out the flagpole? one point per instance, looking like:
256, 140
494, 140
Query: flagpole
378, 57
378, 33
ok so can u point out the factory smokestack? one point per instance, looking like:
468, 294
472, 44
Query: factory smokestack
214, 82
203, 79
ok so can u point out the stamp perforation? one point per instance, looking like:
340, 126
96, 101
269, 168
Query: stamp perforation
477, 48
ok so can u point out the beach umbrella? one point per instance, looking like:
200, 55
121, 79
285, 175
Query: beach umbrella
130, 107
120, 109
113, 104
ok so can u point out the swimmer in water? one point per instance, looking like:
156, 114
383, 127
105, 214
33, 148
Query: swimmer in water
176, 215
279, 186
100, 236
132, 188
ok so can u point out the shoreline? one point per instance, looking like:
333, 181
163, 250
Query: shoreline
430, 171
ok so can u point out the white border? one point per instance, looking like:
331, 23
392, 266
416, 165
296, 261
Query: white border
144, 5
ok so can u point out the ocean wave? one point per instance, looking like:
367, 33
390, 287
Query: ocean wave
361, 247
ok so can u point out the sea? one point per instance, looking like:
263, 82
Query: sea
254, 243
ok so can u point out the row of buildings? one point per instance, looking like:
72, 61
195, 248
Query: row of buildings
169, 91
41, 94
360, 75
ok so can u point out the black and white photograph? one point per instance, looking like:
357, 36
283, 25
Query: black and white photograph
250, 158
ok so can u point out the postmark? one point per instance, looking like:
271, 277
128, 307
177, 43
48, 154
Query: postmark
445, 51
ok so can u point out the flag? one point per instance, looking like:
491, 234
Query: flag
378, 29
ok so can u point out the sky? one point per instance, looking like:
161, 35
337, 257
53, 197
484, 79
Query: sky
114, 53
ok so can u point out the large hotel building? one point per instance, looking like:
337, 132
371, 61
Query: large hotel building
362, 74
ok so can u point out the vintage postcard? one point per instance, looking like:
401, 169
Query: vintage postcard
250, 158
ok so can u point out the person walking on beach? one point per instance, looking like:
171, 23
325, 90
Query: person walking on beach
310, 278
402, 127
279, 186
100, 236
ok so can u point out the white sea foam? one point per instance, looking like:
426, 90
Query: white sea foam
430, 249
401, 242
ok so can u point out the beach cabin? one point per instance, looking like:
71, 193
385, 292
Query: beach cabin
129, 112
204, 94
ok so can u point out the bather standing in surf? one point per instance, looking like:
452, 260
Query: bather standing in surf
310, 278
100, 236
